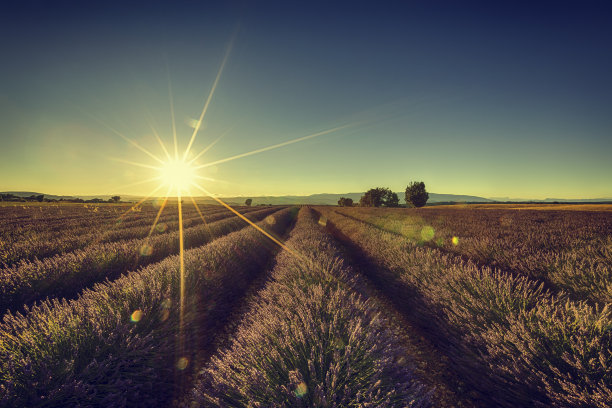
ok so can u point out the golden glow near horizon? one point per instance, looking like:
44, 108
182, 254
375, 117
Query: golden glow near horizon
178, 175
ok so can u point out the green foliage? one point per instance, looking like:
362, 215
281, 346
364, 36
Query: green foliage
345, 202
379, 196
392, 200
416, 195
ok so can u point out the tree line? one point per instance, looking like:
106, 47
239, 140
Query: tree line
41, 198
415, 195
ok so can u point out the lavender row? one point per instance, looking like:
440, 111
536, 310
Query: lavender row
310, 339
79, 223
171, 224
118, 344
67, 274
42, 245
569, 250
48, 213
42, 218
517, 343
76, 221
68, 235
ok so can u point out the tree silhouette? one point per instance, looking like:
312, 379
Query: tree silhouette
391, 200
345, 202
379, 196
416, 195
248, 202
115, 199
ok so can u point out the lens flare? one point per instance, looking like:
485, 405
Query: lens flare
146, 250
136, 316
157, 202
182, 363
455, 241
179, 173
339, 344
427, 233
301, 390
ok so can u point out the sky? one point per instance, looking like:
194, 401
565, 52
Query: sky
494, 99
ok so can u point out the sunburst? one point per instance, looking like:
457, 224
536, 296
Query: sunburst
179, 175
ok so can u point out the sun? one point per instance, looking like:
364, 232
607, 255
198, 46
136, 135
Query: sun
178, 175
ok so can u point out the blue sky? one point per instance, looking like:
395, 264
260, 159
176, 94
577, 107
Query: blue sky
482, 98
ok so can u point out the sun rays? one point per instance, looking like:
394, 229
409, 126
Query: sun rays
178, 175
177, 171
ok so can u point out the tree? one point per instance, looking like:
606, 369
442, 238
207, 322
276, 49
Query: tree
391, 200
248, 202
40, 198
416, 195
115, 199
345, 202
372, 198
379, 196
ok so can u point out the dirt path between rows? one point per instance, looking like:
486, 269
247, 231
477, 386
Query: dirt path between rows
224, 322
432, 366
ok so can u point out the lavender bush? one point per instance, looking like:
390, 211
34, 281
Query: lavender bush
116, 344
311, 340
64, 237
511, 339
66, 275
568, 250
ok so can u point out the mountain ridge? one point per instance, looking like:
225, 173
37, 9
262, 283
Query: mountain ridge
325, 198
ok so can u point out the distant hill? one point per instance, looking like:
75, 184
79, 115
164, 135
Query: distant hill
31, 193
326, 198
434, 198
332, 199
552, 200
104, 197
313, 199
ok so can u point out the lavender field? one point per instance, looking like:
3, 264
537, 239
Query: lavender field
315, 307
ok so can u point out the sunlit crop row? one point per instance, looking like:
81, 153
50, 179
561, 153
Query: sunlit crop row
66, 236
20, 220
516, 343
310, 339
67, 274
119, 343
568, 250
514, 305
18, 224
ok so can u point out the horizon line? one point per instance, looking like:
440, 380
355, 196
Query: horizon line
495, 198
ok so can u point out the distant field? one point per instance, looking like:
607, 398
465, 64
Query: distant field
58, 204
565, 207
444, 306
